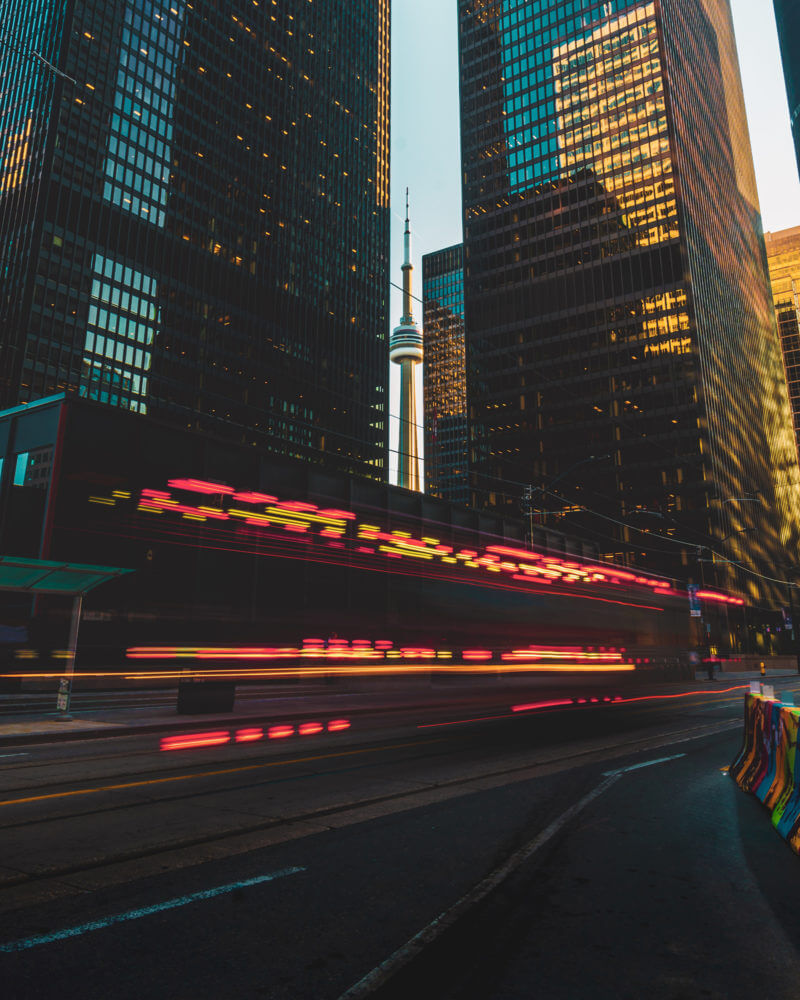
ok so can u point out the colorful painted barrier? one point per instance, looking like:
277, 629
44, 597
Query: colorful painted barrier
768, 765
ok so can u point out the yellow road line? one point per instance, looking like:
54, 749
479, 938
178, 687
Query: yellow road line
211, 774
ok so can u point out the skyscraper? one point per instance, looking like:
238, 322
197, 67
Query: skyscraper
787, 15
194, 216
783, 255
622, 356
444, 377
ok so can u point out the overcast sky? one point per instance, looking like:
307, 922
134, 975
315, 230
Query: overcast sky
425, 132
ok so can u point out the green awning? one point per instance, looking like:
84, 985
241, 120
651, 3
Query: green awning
37, 576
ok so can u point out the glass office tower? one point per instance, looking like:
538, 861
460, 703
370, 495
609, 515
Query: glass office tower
787, 15
194, 216
622, 356
783, 255
444, 375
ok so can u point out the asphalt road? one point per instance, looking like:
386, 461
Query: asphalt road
521, 856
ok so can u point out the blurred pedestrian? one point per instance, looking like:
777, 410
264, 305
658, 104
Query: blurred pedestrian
711, 659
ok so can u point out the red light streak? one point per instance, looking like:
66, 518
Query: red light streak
504, 550
249, 735
576, 668
200, 486
683, 694
710, 595
280, 732
592, 597
338, 515
578, 655
463, 722
540, 704
330, 525
250, 497
194, 740
310, 728
343, 656
338, 725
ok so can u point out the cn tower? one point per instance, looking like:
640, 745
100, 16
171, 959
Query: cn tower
405, 349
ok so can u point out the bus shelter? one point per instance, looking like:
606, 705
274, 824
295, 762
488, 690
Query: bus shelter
75, 580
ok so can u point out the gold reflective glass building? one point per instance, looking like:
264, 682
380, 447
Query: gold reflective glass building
622, 357
783, 254
444, 375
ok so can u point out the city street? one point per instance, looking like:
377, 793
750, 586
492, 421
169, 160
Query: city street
595, 852
399, 500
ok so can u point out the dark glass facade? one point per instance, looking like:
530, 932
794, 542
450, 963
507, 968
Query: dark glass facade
622, 357
444, 377
787, 15
194, 216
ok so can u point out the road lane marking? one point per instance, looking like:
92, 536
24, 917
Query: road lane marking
396, 961
366, 986
647, 763
212, 774
146, 911
14, 755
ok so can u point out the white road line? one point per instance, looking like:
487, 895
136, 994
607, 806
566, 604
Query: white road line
405, 953
170, 904
14, 755
381, 973
647, 763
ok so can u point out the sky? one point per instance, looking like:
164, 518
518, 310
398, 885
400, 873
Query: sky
425, 155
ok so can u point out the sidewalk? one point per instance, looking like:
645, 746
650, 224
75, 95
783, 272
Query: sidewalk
292, 708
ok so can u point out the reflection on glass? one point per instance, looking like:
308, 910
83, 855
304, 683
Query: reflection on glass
445, 384
616, 300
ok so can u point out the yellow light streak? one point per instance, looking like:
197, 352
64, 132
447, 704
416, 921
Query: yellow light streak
416, 553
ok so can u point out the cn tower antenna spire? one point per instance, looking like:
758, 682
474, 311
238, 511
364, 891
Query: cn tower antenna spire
405, 350
408, 314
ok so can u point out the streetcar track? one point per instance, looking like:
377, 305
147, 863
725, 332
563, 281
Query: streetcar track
225, 789
643, 709
176, 770
136, 854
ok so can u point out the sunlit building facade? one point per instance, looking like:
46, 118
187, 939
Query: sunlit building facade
444, 376
623, 366
783, 254
787, 15
194, 216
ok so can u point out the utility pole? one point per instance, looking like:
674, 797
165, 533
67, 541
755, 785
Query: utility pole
793, 630
526, 506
